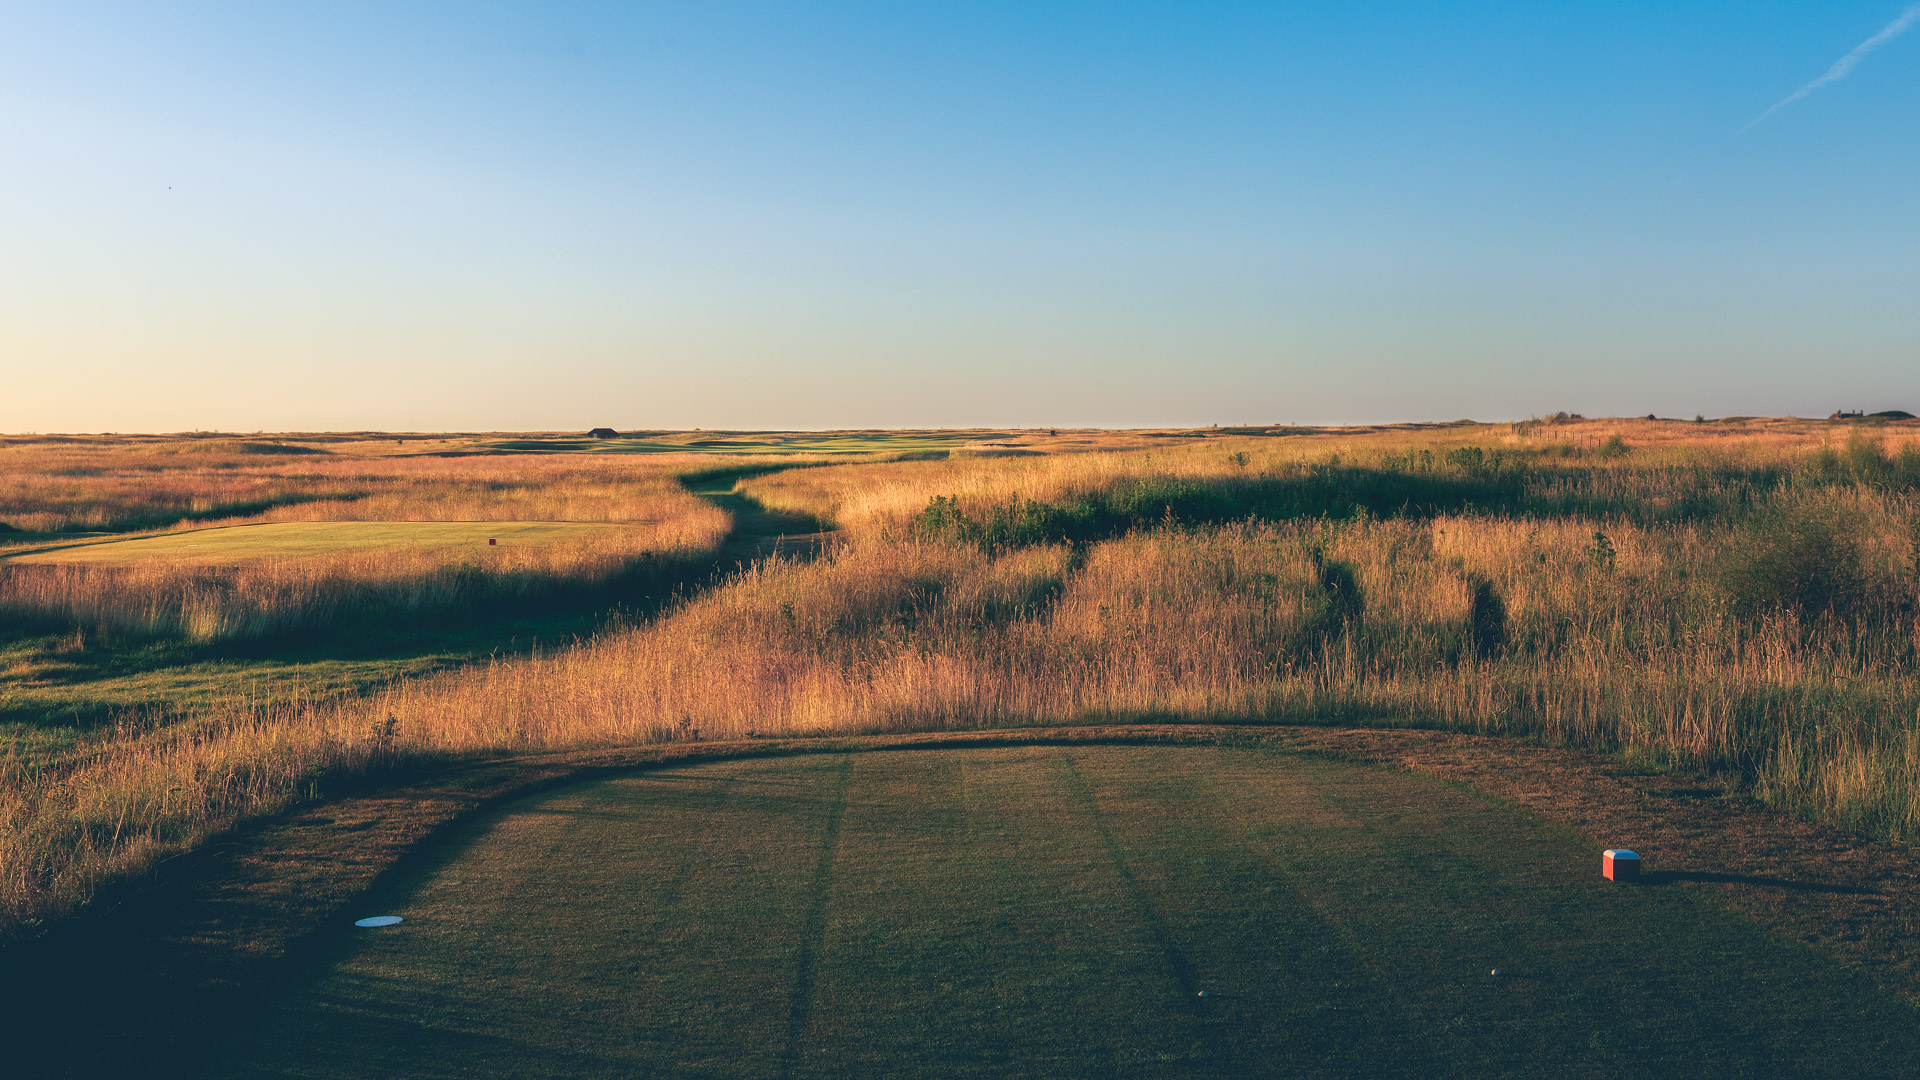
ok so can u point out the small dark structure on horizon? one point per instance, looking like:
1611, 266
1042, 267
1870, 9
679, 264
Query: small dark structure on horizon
603, 433
1843, 414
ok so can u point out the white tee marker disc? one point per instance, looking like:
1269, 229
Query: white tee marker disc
379, 920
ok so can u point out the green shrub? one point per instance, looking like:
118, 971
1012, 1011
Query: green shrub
1486, 616
1865, 459
1804, 557
1601, 554
1014, 523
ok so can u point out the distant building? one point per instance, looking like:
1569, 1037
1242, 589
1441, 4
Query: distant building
1845, 415
603, 433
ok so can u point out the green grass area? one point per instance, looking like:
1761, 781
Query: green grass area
238, 544
59, 688
751, 442
1057, 912
55, 697
872, 443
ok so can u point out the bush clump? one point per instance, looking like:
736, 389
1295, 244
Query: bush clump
1332, 491
1865, 459
1804, 557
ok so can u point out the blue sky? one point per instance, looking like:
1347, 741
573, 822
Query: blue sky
516, 216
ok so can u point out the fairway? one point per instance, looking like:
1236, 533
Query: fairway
238, 544
759, 443
1056, 912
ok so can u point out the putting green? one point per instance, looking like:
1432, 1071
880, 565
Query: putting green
234, 544
1057, 912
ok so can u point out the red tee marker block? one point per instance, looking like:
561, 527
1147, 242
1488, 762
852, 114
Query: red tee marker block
1619, 864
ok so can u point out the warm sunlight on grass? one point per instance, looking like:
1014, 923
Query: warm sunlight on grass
1736, 599
237, 545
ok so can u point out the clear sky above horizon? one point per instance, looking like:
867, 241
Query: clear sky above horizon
754, 215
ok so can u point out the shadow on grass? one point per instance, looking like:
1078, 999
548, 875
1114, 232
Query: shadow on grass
170, 516
1478, 483
57, 682
1671, 877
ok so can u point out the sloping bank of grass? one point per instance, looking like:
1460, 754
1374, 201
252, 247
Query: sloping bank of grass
160, 587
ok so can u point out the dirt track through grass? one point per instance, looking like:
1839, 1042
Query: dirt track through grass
1055, 911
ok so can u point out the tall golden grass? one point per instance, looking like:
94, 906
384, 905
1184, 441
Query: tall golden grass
262, 599
1667, 463
273, 597
1634, 632
112, 486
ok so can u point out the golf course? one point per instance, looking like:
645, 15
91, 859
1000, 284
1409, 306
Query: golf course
768, 541
1056, 911
1062, 754
236, 545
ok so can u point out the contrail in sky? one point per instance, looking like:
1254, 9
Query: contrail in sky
1845, 65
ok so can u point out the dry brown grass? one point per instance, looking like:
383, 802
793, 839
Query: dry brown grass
272, 597
294, 594
109, 485
1495, 622
885, 497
